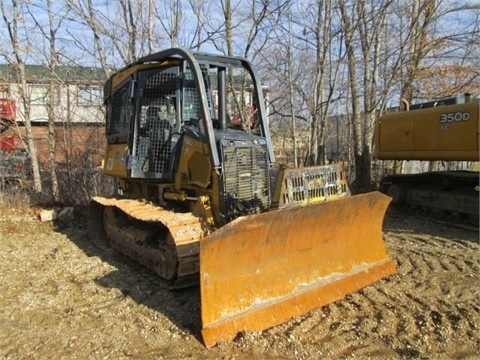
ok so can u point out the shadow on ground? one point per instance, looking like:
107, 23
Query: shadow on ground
403, 219
182, 307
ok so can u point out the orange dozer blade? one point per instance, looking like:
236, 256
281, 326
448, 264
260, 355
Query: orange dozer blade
261, 270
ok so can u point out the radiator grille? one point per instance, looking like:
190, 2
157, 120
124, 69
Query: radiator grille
312, 184
246, 177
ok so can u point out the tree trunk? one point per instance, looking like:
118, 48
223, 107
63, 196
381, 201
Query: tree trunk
11, 23
51, 105
31, 146
360, 151
52, 144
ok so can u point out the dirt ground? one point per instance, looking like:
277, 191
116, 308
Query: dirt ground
62, 297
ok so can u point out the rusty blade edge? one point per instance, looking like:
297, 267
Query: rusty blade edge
296, 304
301, 289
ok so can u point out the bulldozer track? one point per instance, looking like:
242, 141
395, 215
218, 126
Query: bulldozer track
164, 241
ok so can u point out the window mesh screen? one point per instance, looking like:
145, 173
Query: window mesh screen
118, 124
157, 122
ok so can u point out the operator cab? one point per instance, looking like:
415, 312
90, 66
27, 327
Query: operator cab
155, 102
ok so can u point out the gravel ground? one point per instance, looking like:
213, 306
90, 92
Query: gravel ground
63, 297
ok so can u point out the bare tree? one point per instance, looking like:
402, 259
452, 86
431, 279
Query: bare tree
319, 57
371, 29
452, 65
291, 91
117, 30
320, 94
170, 18
224, 39
421, 15
201, 11
55, 18
151, 26
19, 49
96, 23
240, 33
309, 34
359, 146
363, 25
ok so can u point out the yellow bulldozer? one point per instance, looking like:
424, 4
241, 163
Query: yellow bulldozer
201, 200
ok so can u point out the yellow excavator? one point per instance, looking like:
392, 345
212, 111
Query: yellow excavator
201, 201
443, 130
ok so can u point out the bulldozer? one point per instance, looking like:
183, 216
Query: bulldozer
201, 201
445, 130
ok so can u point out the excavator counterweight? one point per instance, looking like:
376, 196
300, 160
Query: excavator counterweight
440, 141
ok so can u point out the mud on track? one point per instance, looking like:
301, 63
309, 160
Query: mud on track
63, 297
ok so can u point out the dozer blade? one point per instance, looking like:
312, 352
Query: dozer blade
261, 270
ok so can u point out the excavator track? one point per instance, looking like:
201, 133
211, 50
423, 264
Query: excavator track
442, 193
164, 241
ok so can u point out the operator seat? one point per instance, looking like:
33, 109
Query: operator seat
159, 131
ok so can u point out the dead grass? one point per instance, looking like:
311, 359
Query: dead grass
14, 201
